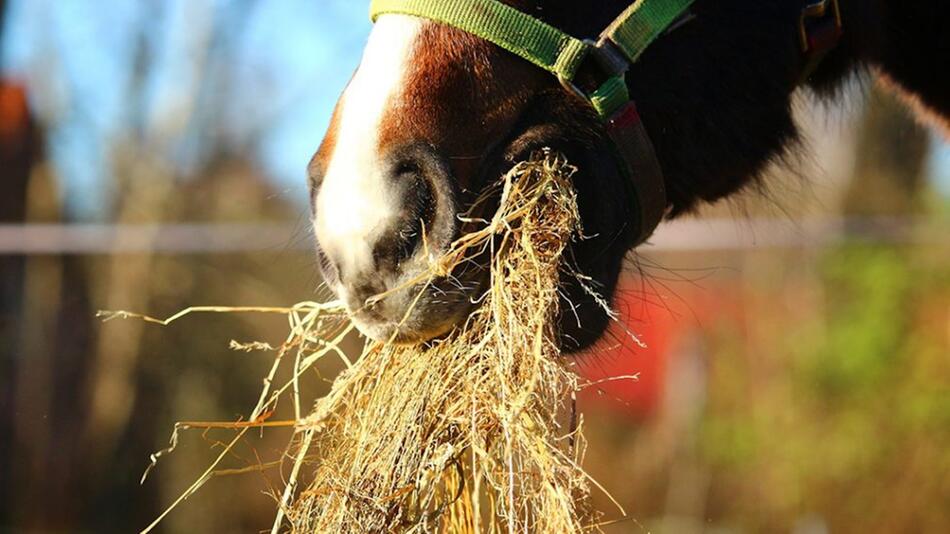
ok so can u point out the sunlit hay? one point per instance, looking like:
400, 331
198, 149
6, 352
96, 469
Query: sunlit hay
474, 433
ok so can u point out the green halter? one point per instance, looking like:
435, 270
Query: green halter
544, 45
620, 45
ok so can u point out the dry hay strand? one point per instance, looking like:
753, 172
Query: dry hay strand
473, 433
467, 434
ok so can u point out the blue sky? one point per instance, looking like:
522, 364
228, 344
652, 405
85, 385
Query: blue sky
288, 62
940, 165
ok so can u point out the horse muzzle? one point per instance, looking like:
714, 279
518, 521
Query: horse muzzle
378, 237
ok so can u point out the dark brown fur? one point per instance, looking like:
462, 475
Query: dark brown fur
715, 96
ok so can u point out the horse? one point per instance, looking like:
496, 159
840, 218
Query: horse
434, 114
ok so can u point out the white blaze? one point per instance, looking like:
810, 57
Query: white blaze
355, 202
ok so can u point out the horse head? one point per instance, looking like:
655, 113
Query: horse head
435, 114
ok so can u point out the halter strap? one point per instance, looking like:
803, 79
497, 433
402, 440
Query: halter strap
544, 45
620, 45
641, 23
561, 54
515, 31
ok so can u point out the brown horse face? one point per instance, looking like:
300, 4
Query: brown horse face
434, 114
431, 116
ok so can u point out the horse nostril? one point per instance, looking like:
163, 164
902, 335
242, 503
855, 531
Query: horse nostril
415, 221
422, 214
359, 296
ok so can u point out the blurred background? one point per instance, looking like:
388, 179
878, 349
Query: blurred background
152, 156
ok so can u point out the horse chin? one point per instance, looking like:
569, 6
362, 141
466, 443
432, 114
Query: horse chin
393, 332
413, 316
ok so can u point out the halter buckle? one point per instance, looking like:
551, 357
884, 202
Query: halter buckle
608, 59
815, 34
572, 88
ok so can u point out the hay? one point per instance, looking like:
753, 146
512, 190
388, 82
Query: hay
473, 433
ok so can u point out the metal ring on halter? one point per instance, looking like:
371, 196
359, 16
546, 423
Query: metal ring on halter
608, 60
572, 88
818, 9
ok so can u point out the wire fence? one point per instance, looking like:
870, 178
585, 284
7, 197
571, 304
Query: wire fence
690, 235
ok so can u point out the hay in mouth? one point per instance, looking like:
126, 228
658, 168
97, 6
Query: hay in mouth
475, 432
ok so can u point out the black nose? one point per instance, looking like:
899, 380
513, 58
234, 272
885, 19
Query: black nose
406, 234
359, 297
419, 219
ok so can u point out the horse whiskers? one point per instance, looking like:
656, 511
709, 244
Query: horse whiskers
648, 285
645, 263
